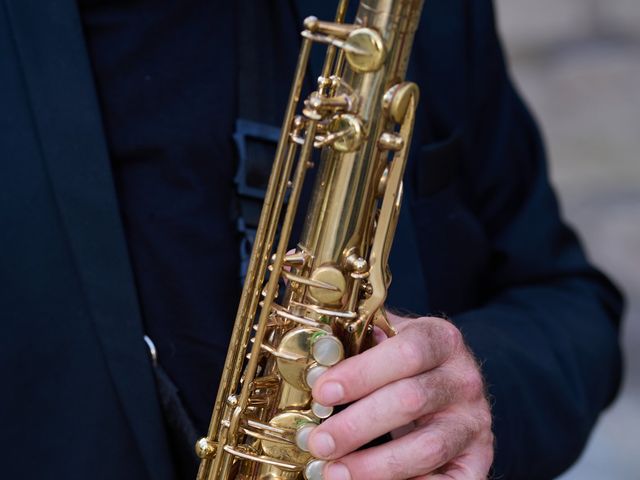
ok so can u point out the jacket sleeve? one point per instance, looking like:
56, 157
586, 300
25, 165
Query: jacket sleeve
546, 333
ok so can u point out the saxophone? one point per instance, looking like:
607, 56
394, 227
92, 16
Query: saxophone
304, 310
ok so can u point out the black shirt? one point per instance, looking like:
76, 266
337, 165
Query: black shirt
165, 77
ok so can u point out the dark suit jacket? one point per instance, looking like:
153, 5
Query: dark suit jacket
79, 399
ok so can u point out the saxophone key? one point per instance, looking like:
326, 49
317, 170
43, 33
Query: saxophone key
327, 350
313, 373
321, 411
294, 356
313, 470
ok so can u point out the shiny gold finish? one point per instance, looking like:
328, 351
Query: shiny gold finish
365, 50
288, 451
397, 101
205, 449
391, 142
338, 30
361, 116
346, 133
329, 275
298, 342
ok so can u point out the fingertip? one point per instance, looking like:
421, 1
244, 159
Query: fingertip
321, 444
337, 471
329, 392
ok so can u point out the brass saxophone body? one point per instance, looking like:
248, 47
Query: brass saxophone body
361, 118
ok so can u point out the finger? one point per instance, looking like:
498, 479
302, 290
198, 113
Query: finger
386, 409
473, 464
416, 454
453, 472
422, 345
436, 476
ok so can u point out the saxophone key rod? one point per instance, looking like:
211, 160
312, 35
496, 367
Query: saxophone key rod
361, 118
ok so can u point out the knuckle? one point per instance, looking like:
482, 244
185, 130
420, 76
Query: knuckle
486, 450
394, 464
473, 385
489, 439
485, 419
476, 427
412, 397
356, 381
468, 432
418, 328
349, 428
436, 451
411, 354
451, 336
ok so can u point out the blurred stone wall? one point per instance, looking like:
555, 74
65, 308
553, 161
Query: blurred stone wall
535, 24
577, 63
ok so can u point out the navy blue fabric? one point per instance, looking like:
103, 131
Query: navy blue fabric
495, 255
168, 110
78, 385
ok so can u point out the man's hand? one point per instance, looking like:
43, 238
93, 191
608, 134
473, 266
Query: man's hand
425, 387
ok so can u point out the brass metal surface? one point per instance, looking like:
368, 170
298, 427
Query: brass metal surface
291, 421
365, 50
361, 118
330, 275
297, 341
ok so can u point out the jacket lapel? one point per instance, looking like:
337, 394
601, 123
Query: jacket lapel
66, 114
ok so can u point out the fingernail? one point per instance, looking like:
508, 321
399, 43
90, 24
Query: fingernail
337, 471
322, 444
331, 393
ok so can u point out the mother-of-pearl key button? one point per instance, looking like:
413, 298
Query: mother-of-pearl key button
313, 470
327, 350
302, 436
321, 411
314, 373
